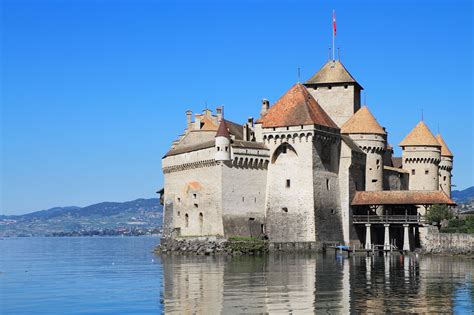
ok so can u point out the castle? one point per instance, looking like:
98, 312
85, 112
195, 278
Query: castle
315, 167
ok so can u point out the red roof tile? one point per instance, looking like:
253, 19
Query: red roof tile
400, 197
223, 131
444, 147
296, 107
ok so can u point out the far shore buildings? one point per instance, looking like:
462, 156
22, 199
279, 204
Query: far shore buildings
315, 167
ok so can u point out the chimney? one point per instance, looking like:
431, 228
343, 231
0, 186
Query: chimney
245, 132
189, 119
250, 121
197, 122
219, 113
265, 107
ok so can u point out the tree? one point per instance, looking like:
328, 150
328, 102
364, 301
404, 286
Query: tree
438, 213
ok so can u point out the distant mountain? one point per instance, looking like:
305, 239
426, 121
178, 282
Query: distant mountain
463, 196
116, 216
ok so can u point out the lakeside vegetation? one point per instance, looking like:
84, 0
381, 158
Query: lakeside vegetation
447, 222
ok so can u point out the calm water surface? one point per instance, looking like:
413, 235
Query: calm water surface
122, 276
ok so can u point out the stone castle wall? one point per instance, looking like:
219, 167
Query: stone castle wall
290, 208
327, 204
243, 200
434, 242
193, 199
347, 98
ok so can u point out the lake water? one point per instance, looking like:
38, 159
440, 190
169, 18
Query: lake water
122, 276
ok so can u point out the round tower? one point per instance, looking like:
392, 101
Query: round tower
445, 167
222, 143
366, 132
421, 155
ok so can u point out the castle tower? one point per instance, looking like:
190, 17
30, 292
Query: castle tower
336, 91
222, 143
366, 132
421, 155
445, 167
302, 186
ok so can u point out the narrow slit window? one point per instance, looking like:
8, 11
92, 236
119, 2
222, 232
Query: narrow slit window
412, 172
288, 183
328, 184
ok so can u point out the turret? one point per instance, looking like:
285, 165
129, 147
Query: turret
445, 167
336, 91
421, 155
366, 132
222, 143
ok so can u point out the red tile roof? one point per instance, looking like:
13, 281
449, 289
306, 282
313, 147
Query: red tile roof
332, 72
296, 107
444, 147
400, 197
362, 122
420, 136
223, 131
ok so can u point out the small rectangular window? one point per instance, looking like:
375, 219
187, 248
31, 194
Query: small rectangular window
243, 199
426, 172
328, 186
218, 148
179, 200
288, 183
444, 177
226, 149
374, 180
412, 172
194, 196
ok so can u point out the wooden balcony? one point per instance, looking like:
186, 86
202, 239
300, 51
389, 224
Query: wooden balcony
388, 219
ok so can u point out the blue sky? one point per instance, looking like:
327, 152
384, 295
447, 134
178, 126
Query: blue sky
93, 92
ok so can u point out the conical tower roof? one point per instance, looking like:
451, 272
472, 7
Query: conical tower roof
363, 122
420, 136
222, 131
332, 72
296, 107
444, 148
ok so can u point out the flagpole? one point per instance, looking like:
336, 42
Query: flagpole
333, 35
333, 46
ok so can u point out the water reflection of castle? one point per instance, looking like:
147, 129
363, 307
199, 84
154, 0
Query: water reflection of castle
308, 283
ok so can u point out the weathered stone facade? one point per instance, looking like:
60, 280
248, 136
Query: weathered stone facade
291, 175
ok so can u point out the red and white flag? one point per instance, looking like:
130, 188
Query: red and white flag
334, 22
